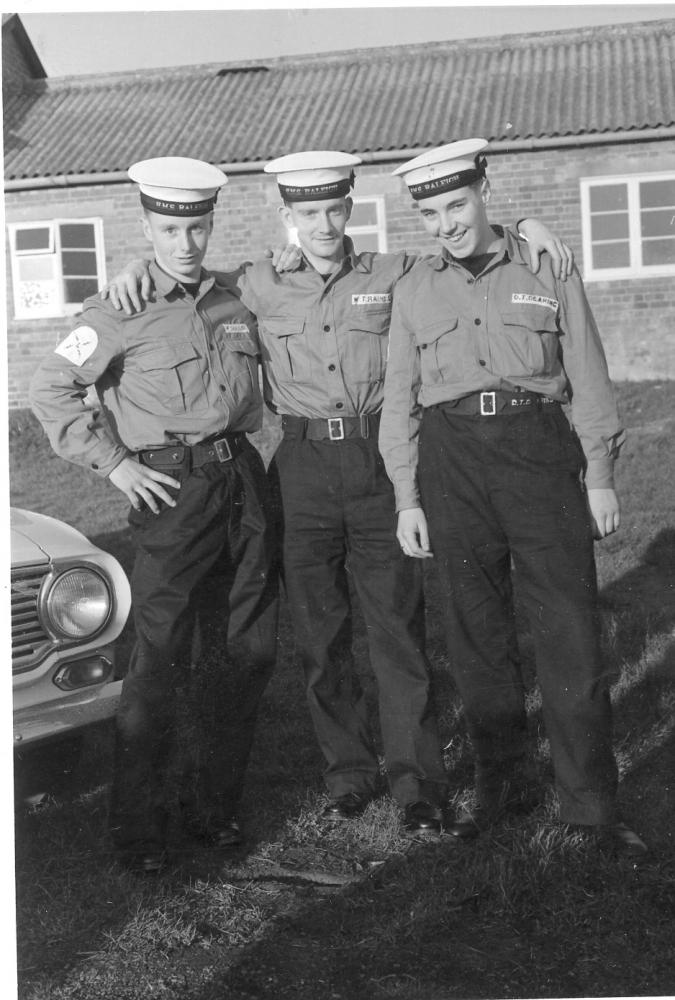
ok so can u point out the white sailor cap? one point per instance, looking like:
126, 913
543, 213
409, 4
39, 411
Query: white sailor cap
314, 175
454, 165
177, 185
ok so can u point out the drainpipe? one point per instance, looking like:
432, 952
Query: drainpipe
380, 156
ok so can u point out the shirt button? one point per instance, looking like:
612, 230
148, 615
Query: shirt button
222, 388
331, 368
338, 406
326, 328
424, 347
481, 362
477, 322
469, 281
94, 465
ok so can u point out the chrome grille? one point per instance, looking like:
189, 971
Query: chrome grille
30, 642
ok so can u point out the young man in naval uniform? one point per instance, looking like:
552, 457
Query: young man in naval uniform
323, 330
489, 472
177, 391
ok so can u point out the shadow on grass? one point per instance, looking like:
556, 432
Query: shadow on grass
525, 912
530, 911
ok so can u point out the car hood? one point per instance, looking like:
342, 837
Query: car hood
35, 538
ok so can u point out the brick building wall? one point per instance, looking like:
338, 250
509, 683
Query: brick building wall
636, 317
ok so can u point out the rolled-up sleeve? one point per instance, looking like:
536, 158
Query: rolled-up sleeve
401, 412
593, 411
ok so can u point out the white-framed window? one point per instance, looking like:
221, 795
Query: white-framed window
628, 226
56, 265
368, 224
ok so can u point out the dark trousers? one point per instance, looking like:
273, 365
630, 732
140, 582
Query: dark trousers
339, 523
211, 561
502, 491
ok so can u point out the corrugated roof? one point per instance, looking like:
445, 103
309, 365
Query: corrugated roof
606, 79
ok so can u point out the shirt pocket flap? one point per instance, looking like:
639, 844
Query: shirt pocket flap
431, 332
535, 318
163, 356
372, 319
283, 326
242, 344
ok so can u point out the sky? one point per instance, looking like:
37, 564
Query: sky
76, 41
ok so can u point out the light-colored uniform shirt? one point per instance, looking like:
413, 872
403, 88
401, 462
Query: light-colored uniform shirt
453, 334
181, 370
324, 343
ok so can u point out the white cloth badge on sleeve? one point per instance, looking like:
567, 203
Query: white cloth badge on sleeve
374, 299
78, 345
534, 300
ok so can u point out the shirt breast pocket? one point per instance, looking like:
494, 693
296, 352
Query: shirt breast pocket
440, 357
530, 342
240, 359
285, 343
366, 349
173, 375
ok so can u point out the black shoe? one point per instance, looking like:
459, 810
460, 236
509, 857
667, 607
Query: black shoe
150, 862
422, 819
224, 834
346, 806
623, 840
213, 828
495, 800
468, 825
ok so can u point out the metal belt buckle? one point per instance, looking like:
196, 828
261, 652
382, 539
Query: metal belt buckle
336, 429
223, 450
488, 404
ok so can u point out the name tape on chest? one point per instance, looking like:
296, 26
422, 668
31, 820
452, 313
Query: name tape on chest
234, 329
373, 299
523, 298
78, 345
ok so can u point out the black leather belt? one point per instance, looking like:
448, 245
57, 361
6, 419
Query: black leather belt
499, 403
221, 449
331, 428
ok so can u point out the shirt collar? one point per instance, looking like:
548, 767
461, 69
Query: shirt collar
508, 248
165, 284
356, 260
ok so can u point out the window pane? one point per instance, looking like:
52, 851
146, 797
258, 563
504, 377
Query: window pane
36, 268
33, 239
77, 234
79, 262
364, 214
609, 227
658, 252
365, 241
655, 194
611, 255
655, 223
78, 289
608, 197
37, 296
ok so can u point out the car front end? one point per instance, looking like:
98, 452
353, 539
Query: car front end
69, 602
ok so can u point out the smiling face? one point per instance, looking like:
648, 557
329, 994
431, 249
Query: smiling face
321, 228
458, 219
180, 243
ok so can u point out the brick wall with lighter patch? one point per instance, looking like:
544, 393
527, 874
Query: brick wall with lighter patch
636, 317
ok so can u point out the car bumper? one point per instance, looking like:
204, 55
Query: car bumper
60, 718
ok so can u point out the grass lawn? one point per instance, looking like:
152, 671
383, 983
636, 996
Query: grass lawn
359, 912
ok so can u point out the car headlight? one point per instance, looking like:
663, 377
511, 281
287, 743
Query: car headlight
78, 604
